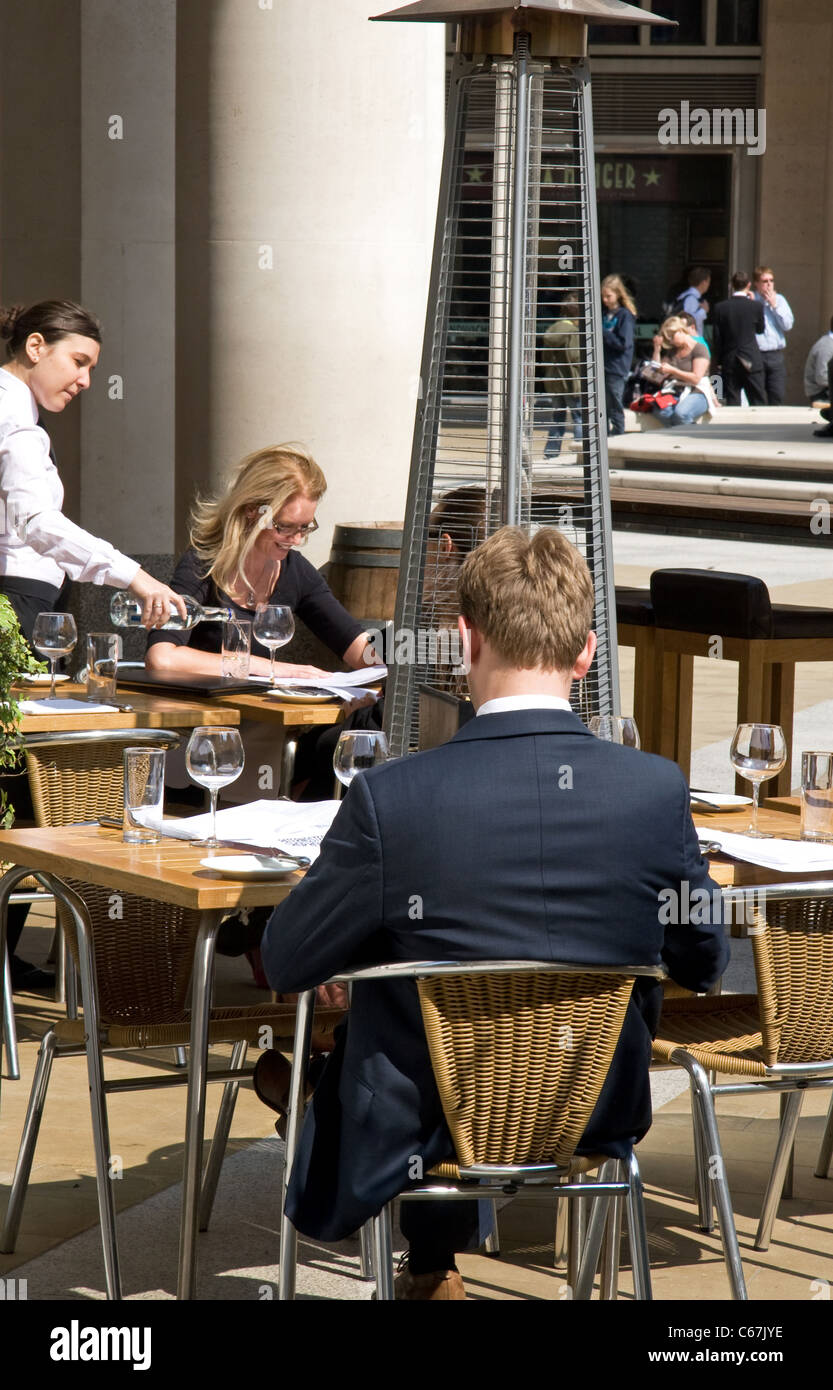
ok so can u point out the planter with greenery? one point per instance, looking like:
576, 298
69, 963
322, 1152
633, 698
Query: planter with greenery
15, 659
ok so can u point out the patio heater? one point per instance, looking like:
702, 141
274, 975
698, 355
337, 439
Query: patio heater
513, 298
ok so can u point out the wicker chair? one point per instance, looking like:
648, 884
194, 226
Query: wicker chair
135, 980
73, 776
780, 1039
520, 1052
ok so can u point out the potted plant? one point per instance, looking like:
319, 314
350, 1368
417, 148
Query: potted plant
16, 659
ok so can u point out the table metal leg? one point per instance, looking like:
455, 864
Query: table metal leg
201, 981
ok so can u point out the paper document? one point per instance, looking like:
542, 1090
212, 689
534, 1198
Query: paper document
331, 680
785, 856
295, 826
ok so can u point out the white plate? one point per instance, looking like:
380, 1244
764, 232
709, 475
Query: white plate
41, 678
249, 866
300, 697
719, 801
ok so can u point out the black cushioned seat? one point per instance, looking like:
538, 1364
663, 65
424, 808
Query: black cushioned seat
634, 606
732, 605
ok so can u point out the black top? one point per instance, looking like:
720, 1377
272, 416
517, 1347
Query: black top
299, 586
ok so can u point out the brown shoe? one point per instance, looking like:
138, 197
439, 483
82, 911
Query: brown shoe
439, 1284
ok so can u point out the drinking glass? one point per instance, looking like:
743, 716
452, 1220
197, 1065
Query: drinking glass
54, 635
274, 626
144, 794
758, 752
356, 751
615, 728
237, 648
103, 655
214, 757
817, 797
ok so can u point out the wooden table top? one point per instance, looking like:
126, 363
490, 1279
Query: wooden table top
149, 712
266, 709
168, 872
782, 823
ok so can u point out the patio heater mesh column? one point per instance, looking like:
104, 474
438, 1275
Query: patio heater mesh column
516, 250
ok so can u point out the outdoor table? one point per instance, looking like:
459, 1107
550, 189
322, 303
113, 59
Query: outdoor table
168, 872
148, 712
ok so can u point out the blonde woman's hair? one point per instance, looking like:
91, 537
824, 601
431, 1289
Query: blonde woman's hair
530, 597
675, 324
224, 528
617, 284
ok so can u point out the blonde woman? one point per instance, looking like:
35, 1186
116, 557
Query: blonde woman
681, 362
244, 553
618, 323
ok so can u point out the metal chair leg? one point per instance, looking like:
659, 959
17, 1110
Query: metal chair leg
638, 1232
492, 1244
599, 1207
822, 1168
217, 1152
383, 1255
560, 1234
575, 1235
297, 1086
613, 1240
780, 1166
705, 1206
368, 1269
180, 1058
787, 1189
9, 1037
195, 1105
290, 748
28, 1140
702, 1097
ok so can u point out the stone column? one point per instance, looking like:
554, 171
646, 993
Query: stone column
796, 209
308, 152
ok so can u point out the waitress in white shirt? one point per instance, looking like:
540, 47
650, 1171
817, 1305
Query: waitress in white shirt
52, 348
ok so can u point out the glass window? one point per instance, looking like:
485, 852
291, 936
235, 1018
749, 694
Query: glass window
613, 33
738, 21
691, 20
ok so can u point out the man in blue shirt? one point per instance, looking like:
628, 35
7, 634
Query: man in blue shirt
778, 320
693, 300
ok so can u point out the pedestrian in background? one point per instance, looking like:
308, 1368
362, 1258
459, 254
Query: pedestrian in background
815, 368
618, 331
737, 321
778, 320
562, 380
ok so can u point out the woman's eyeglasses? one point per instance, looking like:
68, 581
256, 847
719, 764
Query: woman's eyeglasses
286, 531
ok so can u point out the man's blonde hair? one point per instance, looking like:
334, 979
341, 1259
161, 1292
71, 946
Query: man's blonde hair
530, 597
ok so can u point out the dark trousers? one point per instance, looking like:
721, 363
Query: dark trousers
614, 391
437, 1231
775, 376
737, 379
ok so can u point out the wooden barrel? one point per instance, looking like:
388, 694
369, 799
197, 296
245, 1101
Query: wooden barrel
363, 570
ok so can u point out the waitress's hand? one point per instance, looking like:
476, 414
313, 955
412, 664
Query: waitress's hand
157, 600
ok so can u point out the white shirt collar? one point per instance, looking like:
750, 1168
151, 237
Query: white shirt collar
505, 703
19, 388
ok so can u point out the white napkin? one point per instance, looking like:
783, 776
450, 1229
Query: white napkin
785, 856
298, 827
58, 706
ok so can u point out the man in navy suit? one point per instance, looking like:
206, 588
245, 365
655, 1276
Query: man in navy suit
523, 837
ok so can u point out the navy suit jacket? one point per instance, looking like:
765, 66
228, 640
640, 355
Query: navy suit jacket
525, 837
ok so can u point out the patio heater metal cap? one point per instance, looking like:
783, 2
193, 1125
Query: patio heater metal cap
556, 28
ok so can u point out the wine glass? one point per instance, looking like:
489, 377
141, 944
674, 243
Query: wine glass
615, 728
356, 751
54, 635
274, 626
758, 752
214, 757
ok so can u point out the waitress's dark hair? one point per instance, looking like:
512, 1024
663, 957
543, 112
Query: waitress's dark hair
53, 318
